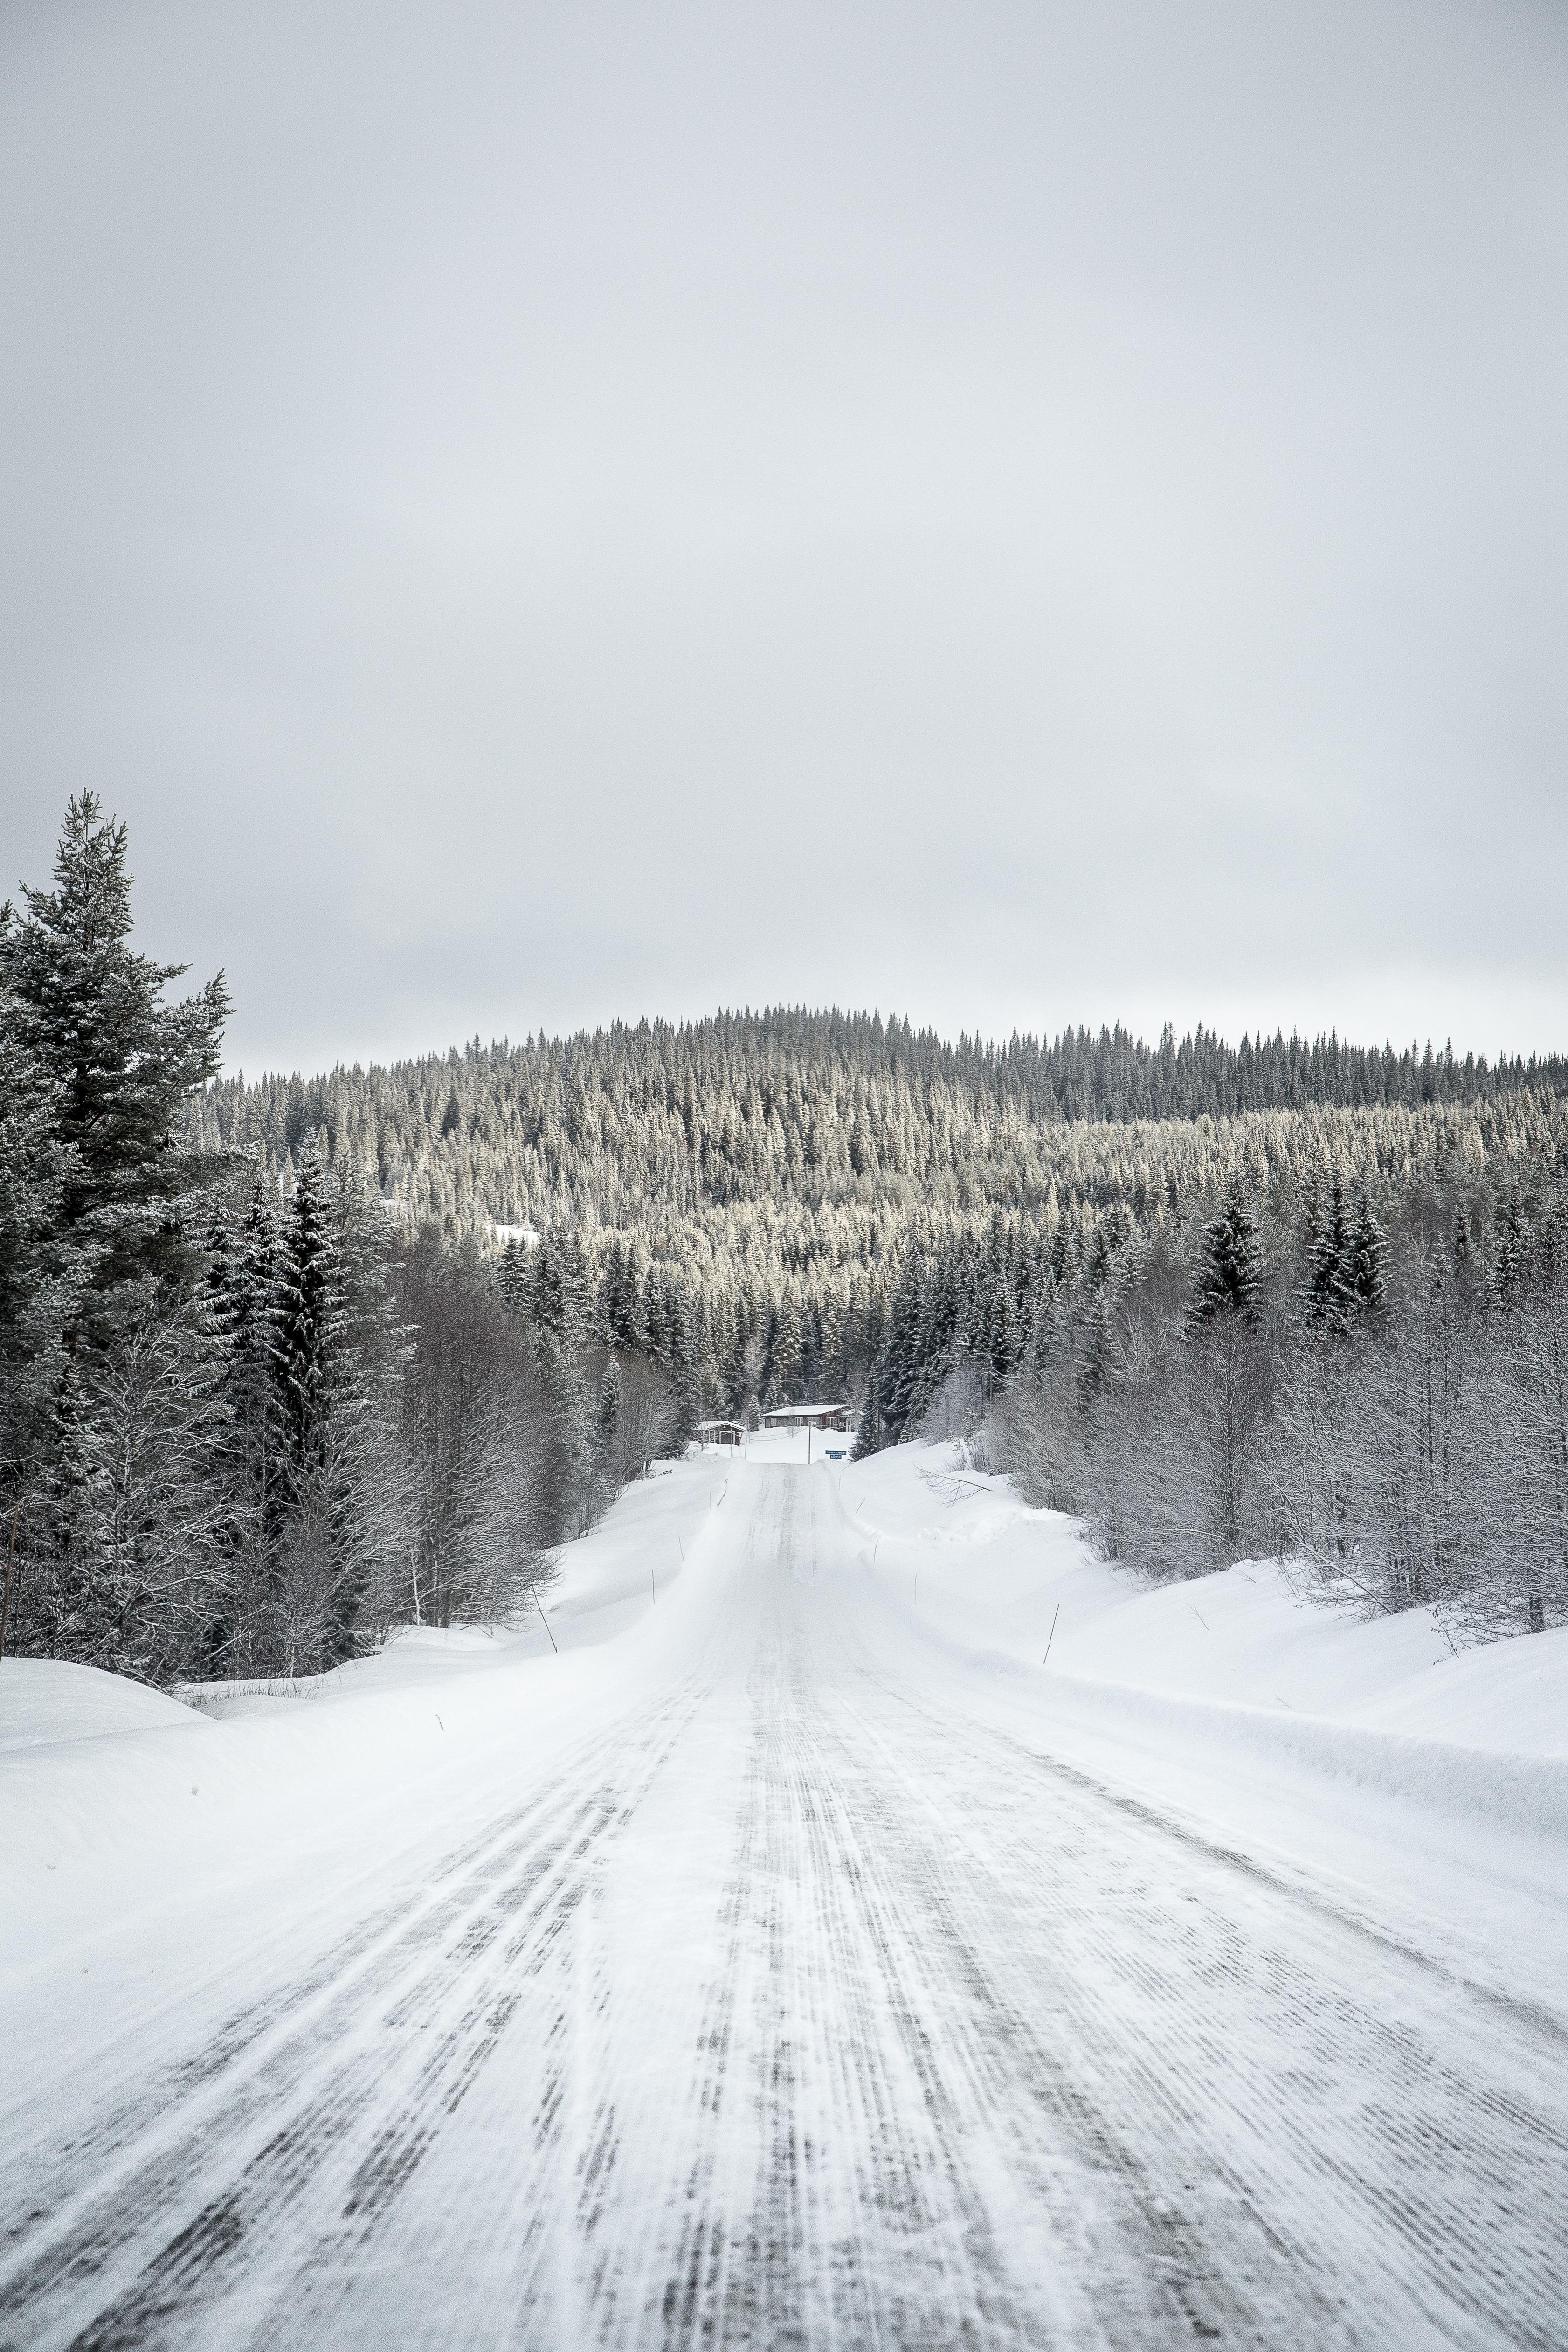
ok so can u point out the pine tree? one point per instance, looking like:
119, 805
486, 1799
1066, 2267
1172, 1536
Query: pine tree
249, 1462
993, 1341
40, 1274
1329, 1296
1228, 1279
1369, 1260
123, 1062
317, 1567
869, 1433
785, 1340
557, 1290
309, 1323
621, 1311
513, 1277
1508, 1247
683, 1367
108, 1351
251, 1281
377, 1347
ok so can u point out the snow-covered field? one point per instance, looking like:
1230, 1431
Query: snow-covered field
789, 1957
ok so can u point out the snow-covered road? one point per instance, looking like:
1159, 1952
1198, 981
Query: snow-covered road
800, 1997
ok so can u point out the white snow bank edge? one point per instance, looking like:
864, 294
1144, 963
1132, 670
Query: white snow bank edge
1520, 1792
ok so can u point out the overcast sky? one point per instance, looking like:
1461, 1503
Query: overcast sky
1016, 515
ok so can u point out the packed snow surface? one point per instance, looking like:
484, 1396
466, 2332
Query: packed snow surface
788, 1956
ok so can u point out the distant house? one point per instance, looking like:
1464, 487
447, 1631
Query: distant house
721, 1432
809, 1416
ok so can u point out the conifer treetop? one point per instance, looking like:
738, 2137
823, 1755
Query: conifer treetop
90, 1010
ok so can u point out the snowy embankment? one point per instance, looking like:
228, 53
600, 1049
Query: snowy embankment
112, 1793
1239, 1662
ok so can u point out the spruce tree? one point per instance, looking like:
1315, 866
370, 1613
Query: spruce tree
870, 1435
39, 1273
309, 1323
683, 1366
1507, 1247
1228, 1279
338, 1362
1369, 1260
108, 1351
123, 1062
251, 1458
620, 1316
512, 1277
897, 1377
786, 1339
1329, 1295
556, 1288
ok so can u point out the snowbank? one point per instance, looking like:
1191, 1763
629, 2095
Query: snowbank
990, 1574
438, 1724
43, 1701
1521, 1791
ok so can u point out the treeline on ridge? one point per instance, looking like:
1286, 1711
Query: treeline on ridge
621, 1124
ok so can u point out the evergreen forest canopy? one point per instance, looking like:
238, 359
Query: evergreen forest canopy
284, 1362
775, 1168
612, 1126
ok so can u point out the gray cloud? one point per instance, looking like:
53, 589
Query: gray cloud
1022, 515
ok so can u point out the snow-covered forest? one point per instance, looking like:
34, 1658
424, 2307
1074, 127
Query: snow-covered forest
1363, 1373
286, 1362
247, 1427
1286, 1298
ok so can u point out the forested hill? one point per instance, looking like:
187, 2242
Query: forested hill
1292, 1297
791, 1105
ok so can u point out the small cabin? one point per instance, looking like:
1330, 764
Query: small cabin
721, 1432
810, 1416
